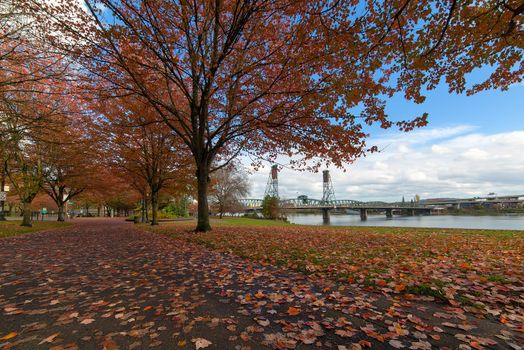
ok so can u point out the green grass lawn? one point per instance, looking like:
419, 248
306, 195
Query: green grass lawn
13, 228
250, 222
240, 221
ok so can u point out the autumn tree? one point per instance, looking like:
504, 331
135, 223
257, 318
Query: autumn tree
108, 190
229, 185
143, 148
22, 149
271, 207
23, 165
30, 115
271, 77
29, 73
67, 166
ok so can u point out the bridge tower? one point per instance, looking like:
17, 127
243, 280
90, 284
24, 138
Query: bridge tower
328, 190
272, 183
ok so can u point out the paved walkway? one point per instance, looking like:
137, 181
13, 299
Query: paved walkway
103, 284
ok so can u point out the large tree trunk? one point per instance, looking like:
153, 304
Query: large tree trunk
143, 211
26, 220
61, 216
203, 208
154, 207
146, 205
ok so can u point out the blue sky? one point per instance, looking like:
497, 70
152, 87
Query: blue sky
492, 111
472, 146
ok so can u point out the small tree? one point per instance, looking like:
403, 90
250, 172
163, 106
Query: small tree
22, 154
25, 174
230, 185
271, 208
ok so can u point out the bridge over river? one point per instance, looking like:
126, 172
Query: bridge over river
327, 206
329, 202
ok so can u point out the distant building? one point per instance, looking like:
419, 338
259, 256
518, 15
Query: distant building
490, 201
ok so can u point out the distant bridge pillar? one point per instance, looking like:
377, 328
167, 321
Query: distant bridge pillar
411, 212
389, 213
363, 214
328, 193
272, 183
325, 216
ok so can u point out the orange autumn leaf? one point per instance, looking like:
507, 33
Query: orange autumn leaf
476, 345
365, 343
149, 307
260, 295
293, 311
380, 283
9, 336
400, 287
465, 266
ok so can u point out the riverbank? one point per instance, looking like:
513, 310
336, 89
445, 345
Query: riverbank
486, 212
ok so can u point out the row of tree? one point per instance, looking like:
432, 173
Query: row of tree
161, 94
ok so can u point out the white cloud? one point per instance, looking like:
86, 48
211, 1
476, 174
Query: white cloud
448, 162
423, 136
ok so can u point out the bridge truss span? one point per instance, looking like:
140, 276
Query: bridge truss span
306, 203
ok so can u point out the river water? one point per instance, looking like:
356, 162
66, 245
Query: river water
502, 222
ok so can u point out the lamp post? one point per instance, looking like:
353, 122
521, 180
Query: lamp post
3, 195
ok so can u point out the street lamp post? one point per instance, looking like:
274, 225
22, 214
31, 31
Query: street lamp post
3, 196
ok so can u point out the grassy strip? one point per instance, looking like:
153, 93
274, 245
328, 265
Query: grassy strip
13, 228
228, 221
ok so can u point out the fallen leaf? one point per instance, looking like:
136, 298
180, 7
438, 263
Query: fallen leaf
49, 339
365, 343
263, 323
400, 287
201, 343
396, 344
344, 333
476, 345
293, 311
9, 336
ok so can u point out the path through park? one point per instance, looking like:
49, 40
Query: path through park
103, 284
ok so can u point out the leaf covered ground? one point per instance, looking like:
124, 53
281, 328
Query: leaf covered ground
105, 284
478, 271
